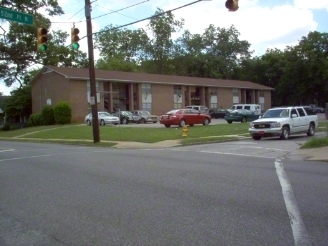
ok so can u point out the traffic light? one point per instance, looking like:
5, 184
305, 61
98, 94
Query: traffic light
75, 38
42, 39
232, 5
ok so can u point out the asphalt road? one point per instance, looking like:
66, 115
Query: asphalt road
235, 193
321, 117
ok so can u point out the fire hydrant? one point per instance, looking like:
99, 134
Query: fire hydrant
184, 131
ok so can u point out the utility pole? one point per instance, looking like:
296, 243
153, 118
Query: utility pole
93, 96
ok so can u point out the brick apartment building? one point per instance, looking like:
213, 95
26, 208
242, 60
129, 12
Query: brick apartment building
131, 91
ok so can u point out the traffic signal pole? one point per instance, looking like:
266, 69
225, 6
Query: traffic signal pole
93, 96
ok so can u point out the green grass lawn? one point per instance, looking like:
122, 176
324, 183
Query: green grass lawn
81, 133
116, 133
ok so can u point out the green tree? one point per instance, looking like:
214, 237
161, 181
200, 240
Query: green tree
18, 44
20, 101
160, 47
312, 51
121, 44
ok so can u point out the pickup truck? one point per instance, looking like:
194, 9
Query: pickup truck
282, 122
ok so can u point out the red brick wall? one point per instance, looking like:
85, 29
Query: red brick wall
49, 86
162, 98
267, 100
225, 98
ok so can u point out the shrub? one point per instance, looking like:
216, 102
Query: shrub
63, 113
47, 115
34, 120
6, 126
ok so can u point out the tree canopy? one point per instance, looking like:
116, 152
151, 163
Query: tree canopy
18, 43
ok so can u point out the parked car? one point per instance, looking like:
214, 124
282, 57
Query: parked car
254, 108
103, 118
283, 122
127, 117
217, 113
182, 117
240, 115
202, 109
145, 116
317, 109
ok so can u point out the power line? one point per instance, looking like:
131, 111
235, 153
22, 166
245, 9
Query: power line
117, 13
76, 13
154, 16
120, 9
114, 11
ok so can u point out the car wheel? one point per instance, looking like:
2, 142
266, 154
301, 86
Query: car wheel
243, 120
182, 123
284, 133
257, 137
143, 121
88, 122
124, 121
102, 122
229, 121
137, 122
311, 130
167, 125
154, 122
206, 122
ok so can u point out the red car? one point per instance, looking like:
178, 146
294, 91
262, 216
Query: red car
182, 117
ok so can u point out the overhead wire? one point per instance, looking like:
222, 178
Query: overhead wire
114, 11
117, 12
151, 17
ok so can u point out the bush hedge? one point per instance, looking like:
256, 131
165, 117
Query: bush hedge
63, 113
48, 115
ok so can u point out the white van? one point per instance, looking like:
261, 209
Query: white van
254, 108
202, 109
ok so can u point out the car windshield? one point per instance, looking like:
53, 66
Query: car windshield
127, 113
276, 113
173, 111
104, 114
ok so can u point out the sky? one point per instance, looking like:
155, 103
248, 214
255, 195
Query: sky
263, 23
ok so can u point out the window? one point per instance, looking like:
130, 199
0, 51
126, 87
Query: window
300, 112
262, 106
146, 107
247, 107
235, 92
177, 105
261, 93
293, 112
214, 105
177, 90
146, 88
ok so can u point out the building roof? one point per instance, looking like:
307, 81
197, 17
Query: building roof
106, 75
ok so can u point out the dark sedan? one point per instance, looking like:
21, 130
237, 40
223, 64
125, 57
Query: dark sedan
216, 113
182, 117
127, 117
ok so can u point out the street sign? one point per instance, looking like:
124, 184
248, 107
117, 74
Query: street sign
16, 16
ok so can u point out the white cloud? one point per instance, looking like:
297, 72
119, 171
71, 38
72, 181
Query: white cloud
312, 4
262, 27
